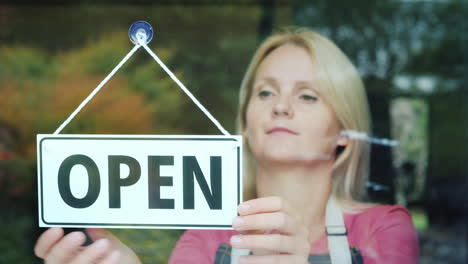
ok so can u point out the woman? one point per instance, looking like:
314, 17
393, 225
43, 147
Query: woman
302, 173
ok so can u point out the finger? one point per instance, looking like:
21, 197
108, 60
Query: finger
273, 242
112, 258
97, 233
264, 205
273, 259
47, 240
267, 221
100, 233
66, 248
125, 255
93, 252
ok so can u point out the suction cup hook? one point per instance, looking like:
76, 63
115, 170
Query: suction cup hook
140, 32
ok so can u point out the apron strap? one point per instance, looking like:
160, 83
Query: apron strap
338, 245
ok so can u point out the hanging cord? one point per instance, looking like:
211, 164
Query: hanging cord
96, 90
174, 78
187, 92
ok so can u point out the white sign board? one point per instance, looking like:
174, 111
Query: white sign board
123, 181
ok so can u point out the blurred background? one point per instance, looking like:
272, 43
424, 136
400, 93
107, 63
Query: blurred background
410, 54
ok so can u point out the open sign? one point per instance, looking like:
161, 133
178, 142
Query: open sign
122, 181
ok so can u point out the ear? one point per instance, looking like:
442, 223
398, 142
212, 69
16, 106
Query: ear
342, 141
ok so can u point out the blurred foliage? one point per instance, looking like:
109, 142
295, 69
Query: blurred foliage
409, 117
19, 192
152, 246
129, 103
13, 235
25, 64
419, 219
40, 91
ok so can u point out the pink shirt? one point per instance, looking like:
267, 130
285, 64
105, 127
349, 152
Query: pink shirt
383, 234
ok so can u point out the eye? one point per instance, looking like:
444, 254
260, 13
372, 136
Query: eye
308, 97
264, 94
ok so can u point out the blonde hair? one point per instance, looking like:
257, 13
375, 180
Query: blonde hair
339, 84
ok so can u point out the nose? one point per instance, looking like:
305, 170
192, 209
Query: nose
282, 108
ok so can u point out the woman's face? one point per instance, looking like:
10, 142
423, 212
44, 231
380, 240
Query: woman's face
287, 119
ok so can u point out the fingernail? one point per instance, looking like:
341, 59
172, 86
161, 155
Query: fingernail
238, 221
114, 255
236, 240
243, 208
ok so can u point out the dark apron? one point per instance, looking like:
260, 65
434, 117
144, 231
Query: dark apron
223, 256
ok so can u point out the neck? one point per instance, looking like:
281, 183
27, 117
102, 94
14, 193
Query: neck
306, 188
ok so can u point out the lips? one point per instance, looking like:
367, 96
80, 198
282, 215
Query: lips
281, 130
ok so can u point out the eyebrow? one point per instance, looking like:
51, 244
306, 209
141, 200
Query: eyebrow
269, 80
308, 85
274, 83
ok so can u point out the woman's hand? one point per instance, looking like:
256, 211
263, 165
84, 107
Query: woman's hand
54, 247
269, 228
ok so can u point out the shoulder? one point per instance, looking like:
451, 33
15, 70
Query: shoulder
379, 214
386, 209
376, 219
384, 232
387, 213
